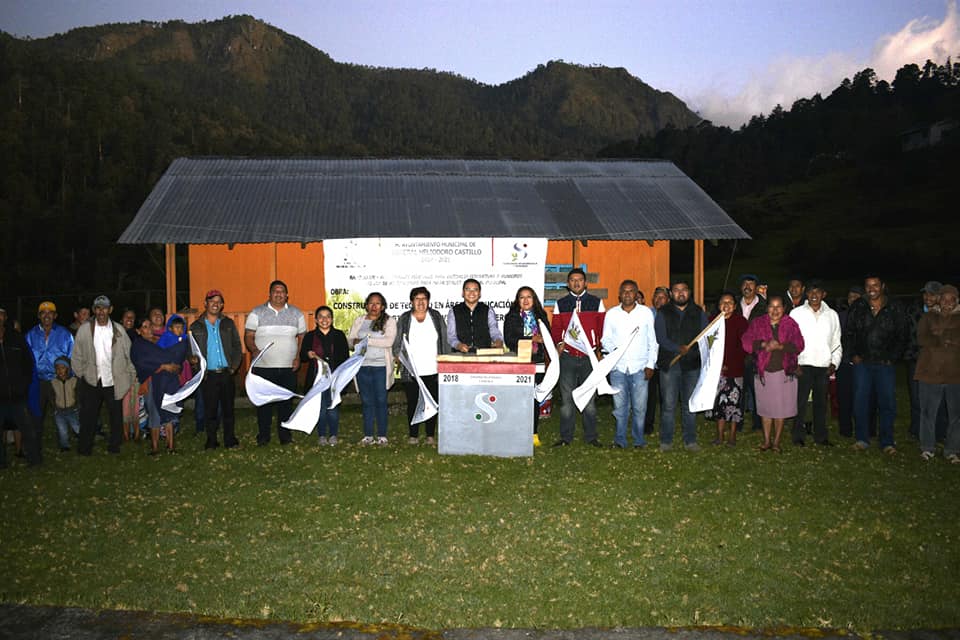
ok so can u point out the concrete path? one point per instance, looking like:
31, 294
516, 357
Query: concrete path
65, 623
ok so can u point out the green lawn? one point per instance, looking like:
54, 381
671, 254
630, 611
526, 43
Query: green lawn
572, 537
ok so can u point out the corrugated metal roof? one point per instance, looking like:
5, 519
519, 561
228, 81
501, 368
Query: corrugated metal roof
242, 200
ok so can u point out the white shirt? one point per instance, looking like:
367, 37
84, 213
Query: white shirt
423, 345
279, 327
617, 325
103, 346
821, 335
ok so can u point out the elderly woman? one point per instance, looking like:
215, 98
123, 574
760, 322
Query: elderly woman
376, 372
521, 322
775, 341
938, 374
328, 345
424, 330
728, 408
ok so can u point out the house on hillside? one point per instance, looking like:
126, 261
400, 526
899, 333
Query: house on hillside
247, 221
928, 135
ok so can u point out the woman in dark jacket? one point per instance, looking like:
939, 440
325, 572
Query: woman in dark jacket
158, 371
325, 344
522, 323
426, 340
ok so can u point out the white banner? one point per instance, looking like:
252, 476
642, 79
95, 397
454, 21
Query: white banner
711, 345
393, 266
169, 402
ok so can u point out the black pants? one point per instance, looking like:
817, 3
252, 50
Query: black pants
12, 414
845, 398
412, 390
653, 399
33, 431
91, 400
218, 397
815, 379
286, 378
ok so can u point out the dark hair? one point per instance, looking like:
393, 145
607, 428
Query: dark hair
633, 282
322, 307
538, 311
177, 320
378, 324
468, 281
774, 297
575, 271
416, 291
281, 283
679, 281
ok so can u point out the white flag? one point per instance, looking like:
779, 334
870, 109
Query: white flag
596, 382
346, 372
169, 402
261, 391
427, 406
552, 375
304, 417
711, 364
576, 336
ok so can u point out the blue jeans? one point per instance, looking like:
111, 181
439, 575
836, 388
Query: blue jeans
632, 389
930, 397
573, 372
869, 377
329, 421
67, 419
373, 399
674, 382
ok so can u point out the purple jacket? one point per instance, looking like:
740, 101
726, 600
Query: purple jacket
761, 329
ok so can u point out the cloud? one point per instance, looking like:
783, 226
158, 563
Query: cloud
787, 79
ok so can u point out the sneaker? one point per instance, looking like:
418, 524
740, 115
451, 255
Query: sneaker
431, 441
926, 455
382, 441
692, 446
890, 450
666, 446
367, 440
953, 458
332, 441
323, 440
413, 441
536, 440
860, 445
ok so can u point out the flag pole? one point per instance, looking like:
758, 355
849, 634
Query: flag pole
699, 335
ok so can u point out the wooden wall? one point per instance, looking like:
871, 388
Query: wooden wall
244, 272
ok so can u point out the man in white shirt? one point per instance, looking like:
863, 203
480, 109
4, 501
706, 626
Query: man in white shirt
101, 359
284, 325
632, 372
820, 328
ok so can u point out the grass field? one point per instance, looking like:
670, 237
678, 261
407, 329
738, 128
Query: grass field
573, 537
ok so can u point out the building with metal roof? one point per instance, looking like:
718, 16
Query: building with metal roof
302, 201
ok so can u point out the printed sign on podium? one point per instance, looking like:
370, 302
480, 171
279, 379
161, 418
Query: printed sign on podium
486, 408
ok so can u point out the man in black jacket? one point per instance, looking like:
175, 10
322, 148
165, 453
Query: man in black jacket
16, 371
751, 305
874, 338
219, 342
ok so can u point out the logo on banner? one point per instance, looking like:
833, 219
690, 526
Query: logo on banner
484, 402
519, 251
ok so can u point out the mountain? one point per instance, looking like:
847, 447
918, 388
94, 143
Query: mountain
90, 119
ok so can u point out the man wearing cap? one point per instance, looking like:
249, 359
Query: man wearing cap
875, 337
101, 359
219, 342
929, 301
282, 324
820, 328
48, 341
751, 305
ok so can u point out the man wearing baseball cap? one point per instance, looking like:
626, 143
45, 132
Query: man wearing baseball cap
47, 341
219, 342
101, 359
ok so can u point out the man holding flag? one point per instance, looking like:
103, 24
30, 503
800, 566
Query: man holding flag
677, 326
635, 368
586, 311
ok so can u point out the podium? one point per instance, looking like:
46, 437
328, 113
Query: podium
486, 408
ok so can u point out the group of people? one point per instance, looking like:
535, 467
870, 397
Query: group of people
779, 351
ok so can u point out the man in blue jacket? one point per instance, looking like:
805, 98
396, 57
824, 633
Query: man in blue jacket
48, 341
